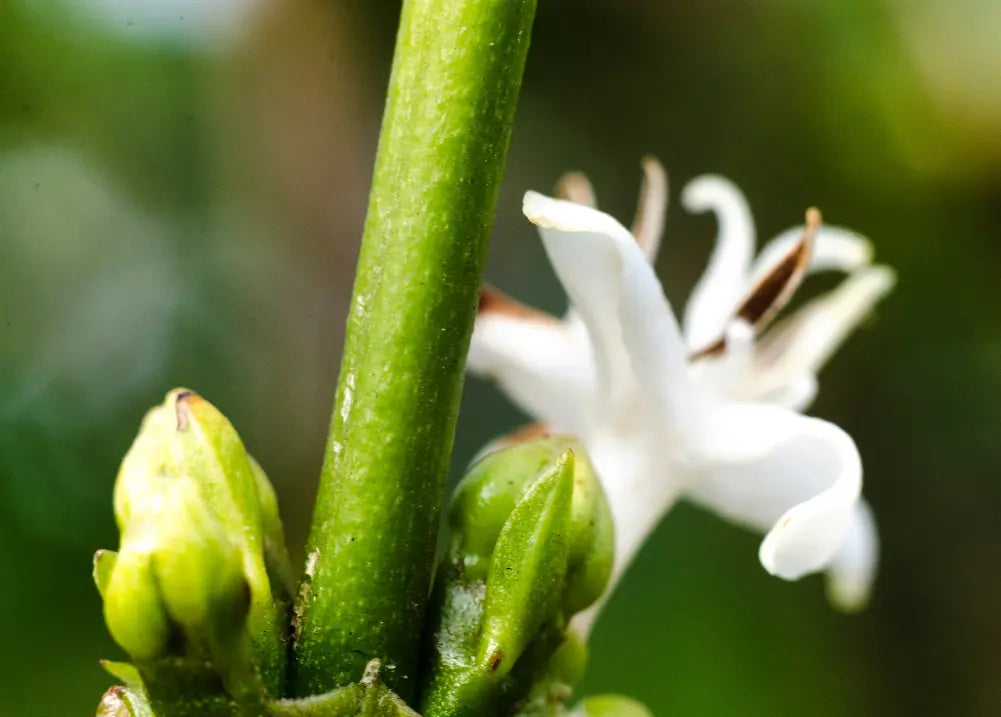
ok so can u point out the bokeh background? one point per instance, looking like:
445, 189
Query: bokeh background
182, 188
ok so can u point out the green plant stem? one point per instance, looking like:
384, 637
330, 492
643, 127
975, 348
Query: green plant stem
452, 97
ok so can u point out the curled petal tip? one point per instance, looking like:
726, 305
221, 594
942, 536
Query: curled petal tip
848, 596
543, 211
532, 203
563, 216
852, 573
882, 277
704, 192
806, 539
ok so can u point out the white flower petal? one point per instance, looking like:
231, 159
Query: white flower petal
802, 343
544, 367
639, 490
773, 469
795, 393
618, 297
853, 570
633, 466
833, 248
721, 287
723, 371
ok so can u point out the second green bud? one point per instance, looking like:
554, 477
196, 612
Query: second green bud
531, 544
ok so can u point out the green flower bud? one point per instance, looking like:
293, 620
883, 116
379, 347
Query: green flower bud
531, 543
610, 706
494, 484
528, 568
202, 570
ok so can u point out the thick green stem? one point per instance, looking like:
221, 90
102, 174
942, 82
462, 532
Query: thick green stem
451, 104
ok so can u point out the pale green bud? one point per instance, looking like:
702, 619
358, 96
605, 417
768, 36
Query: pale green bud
531, 542
202, 555
494, 484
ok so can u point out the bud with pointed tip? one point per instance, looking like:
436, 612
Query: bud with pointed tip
495, 483
531, 543
202, 570
527, 569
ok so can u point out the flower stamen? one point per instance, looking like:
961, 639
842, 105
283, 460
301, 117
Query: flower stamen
575, 187
774, 289
648, 224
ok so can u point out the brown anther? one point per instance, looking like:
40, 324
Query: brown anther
773, 290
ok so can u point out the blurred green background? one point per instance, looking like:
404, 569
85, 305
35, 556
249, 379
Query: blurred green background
182, 187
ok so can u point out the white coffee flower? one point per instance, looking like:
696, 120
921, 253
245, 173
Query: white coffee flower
710, 412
